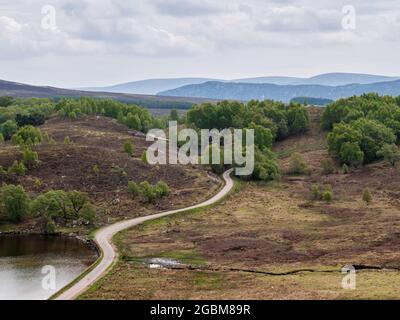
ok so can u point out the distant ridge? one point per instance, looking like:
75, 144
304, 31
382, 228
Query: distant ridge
20, 90
154, 86
285, 93
150, 86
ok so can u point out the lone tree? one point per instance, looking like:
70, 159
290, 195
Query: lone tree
390, 152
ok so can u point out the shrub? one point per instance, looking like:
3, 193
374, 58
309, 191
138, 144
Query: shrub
60, 204
3, 173
17, 168
316, 192
266, 166
128, 148
327, 195
30, 158
148, 192
27, 136
38, 183
328, 166
351, 154
390, 152
87, 214
96, 170
48, 226
1, 138
6, 101
133, 188
15, 202
297, 165
67, 140
144, 157
345, 169
162, 189
367, 197
8, 129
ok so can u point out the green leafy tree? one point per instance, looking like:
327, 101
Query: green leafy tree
27, 136
6, 101
266, 166
174, 115
351, 154
8, 129
390, 152
263, 137
15, 202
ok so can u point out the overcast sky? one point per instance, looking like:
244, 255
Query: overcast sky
103, 42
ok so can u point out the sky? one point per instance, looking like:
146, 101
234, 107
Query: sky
71, 43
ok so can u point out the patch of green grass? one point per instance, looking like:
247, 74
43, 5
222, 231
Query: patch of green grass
185, 256
208, 280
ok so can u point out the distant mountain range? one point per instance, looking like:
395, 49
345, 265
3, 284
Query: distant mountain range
154, 86
151, 86
285, 93
20, 90
191, 91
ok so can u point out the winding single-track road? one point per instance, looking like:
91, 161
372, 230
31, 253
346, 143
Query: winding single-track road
104, 237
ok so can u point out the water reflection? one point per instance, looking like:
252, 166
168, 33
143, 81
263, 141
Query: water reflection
22, 259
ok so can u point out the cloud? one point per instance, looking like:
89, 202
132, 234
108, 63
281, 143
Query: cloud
188, 8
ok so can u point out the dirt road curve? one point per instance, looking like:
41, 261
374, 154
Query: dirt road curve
104, 236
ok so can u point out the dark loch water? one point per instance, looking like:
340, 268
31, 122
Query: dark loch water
35, 267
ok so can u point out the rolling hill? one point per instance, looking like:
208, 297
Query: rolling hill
150, 86
21, 90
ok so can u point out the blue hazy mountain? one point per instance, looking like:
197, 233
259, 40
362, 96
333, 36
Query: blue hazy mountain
150, 86
154, 86
285, 93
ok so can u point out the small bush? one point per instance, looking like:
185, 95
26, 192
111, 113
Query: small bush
367, 197
298, 165
96, 170
391, 153
162, 189
38, 183
345, 169
17, 168
327, 196
129, 148
150, 193
30, 158
133, 188
27, 136
1, 138
328, 166
3, 173
316, 192
144, 157
67, 140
